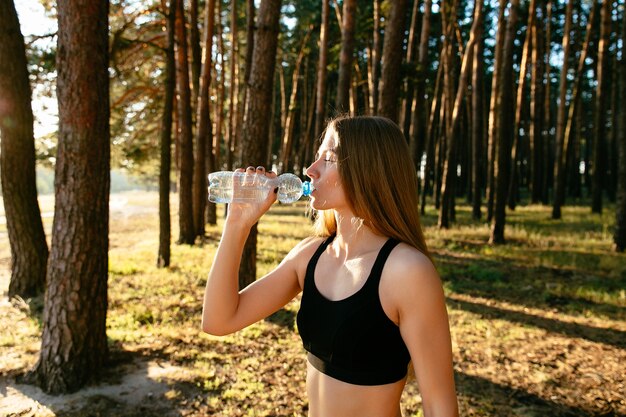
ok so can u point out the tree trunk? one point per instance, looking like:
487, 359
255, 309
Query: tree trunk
29, 250
250, 12
477, 122
374, 60
392, 60
449, 13
74, 342
342, 102
204, 126
283, 98
449, 171
409, 79
430, 134
612, 171
420, 112
306, 136
200, 192
257, 124
536, 113
574, 178
234, 85
320, 100
219, 103
619, 237
521, 96
274, 121
601, 104
547, 112
505, 116
196, 52
185, 180
562, 112
494, 111
165, 230
565, 136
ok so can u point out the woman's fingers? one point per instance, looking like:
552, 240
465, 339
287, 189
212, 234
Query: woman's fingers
250, 177
253, 176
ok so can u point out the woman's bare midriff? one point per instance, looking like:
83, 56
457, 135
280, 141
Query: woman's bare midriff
329, 397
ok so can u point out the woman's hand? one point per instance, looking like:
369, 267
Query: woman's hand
248, 213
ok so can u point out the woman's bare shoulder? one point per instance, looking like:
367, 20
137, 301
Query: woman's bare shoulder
305, 248
408, 268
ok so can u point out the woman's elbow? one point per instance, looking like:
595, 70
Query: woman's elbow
214, 329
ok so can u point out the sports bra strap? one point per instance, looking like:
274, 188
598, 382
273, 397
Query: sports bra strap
310, 268
379, 263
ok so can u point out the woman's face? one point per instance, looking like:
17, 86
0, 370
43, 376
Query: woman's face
324, 173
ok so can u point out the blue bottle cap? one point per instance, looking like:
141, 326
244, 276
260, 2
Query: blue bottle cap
306, 188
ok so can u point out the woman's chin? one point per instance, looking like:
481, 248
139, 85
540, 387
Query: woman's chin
317, 204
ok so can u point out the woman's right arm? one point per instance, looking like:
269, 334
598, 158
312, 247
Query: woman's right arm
225, 308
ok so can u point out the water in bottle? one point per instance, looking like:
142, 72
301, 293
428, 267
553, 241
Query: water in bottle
239, 187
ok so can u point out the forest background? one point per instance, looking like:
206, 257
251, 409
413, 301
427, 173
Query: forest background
513, 110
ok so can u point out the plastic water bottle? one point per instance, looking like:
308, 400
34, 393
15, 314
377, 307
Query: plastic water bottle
239, 187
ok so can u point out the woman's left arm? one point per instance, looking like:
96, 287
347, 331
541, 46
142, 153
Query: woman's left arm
423, 320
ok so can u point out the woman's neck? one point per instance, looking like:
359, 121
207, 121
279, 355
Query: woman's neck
354, 238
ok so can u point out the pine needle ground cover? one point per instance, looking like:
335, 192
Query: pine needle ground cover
538, 324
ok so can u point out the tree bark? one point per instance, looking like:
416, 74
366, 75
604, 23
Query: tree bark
536, 112
619, 236
477, 122
420, 111
204, 128
219, 104
250, 12
196, 52
601, 104
342, 103
494, 111
29, 250
521, 96
374, 60
257, 124
234, 85
613, 152
547, 112
562, 110
163, 258
320, 99
505, 113
392, 60
74, 342
409, 79
185, 179
430, 133
200, 171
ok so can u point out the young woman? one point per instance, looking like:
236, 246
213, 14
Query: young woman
372, 301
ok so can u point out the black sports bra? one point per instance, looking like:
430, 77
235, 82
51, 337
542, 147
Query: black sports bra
352, 339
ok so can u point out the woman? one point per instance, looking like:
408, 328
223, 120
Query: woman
372, 300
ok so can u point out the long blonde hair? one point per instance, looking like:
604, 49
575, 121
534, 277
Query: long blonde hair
378, 177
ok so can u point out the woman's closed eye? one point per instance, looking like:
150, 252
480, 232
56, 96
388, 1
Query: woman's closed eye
327, 156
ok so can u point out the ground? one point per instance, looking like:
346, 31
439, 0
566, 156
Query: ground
538, 325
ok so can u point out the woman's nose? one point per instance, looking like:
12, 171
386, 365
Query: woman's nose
310, 171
